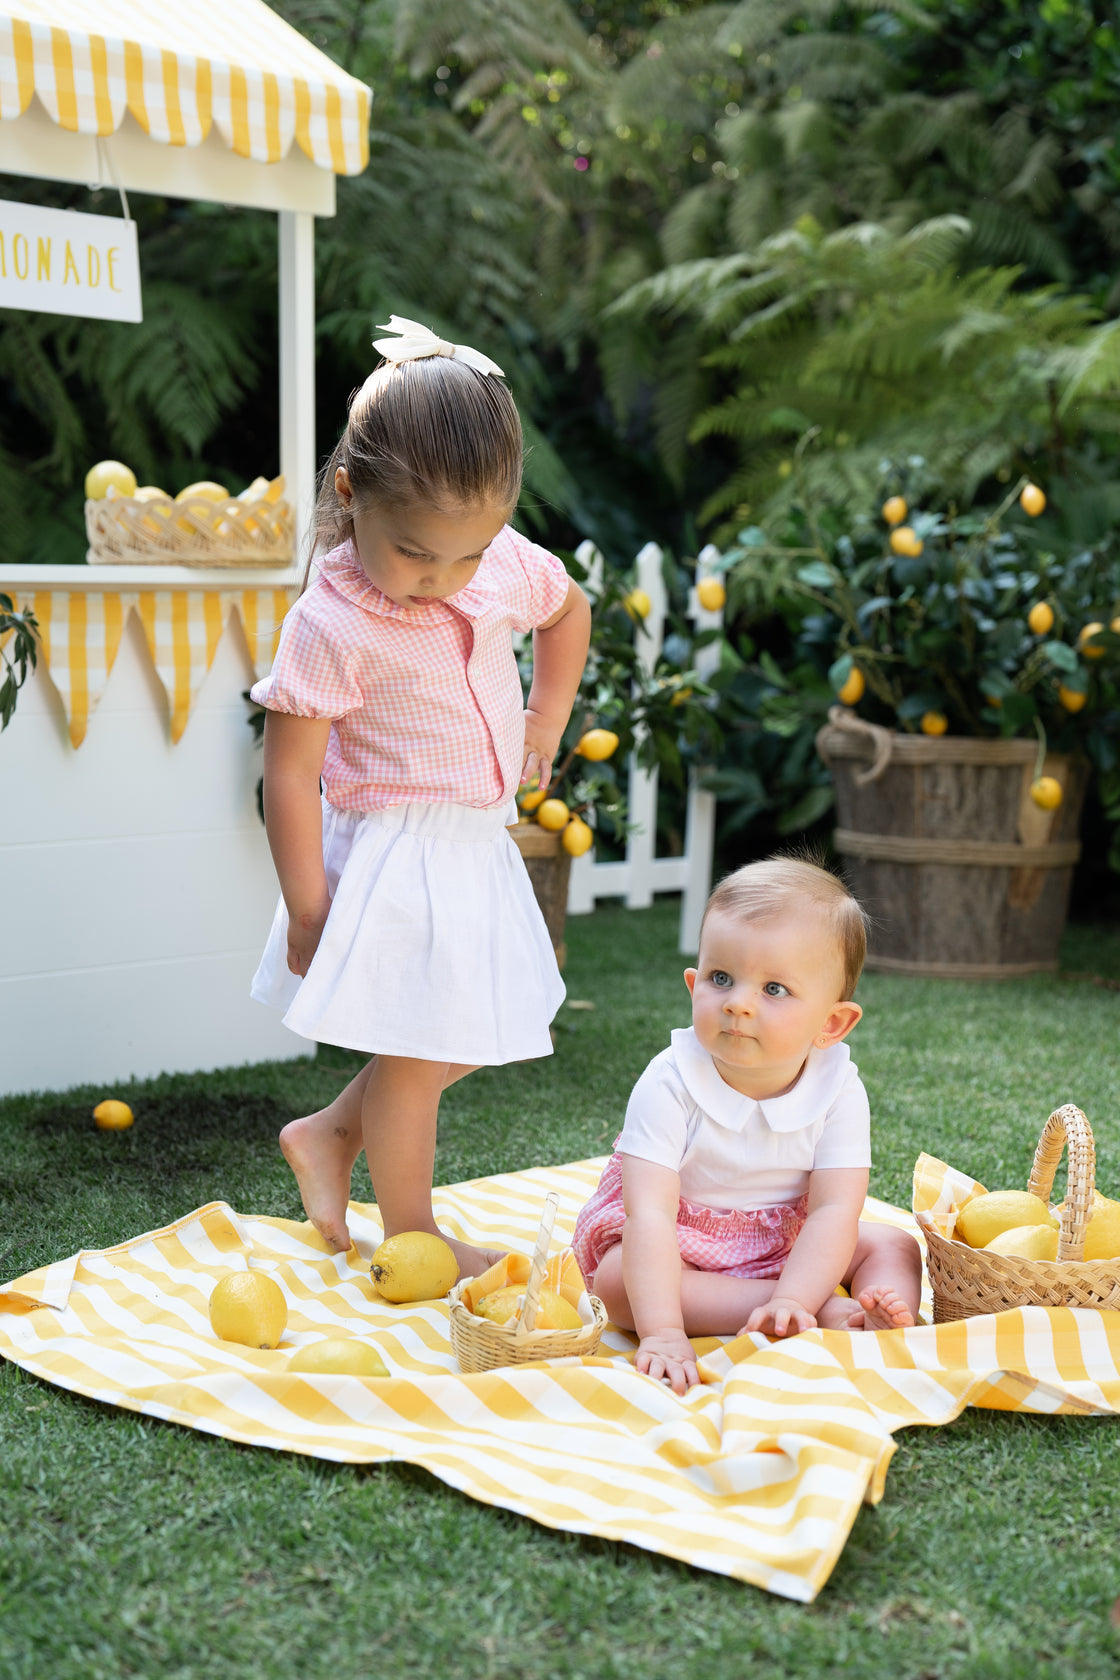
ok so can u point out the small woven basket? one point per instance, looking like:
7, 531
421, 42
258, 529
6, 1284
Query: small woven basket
125, 530
480, 1345
967, 1281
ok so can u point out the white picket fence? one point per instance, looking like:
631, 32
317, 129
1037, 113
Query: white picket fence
642, 873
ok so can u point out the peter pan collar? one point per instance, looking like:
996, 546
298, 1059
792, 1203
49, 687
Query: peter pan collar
821, 1082
344, 572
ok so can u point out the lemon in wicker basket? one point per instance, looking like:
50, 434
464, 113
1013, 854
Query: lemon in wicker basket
986, 1216
1026, 1242
553, 1312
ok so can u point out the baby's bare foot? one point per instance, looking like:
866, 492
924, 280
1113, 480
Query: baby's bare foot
884, 1309
322, 1156
840, 1313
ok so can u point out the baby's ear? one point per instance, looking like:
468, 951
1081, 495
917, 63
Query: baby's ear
842, 1017
690, 979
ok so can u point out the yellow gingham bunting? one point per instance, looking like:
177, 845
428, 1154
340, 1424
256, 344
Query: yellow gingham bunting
757, 1474
231, 64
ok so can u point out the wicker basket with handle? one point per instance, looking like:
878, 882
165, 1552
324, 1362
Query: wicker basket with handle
480, 1345
967, 1281
125, 530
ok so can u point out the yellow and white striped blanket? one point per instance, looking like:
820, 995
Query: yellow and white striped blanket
758, 1474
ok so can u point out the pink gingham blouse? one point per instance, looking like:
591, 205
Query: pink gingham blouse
425, 702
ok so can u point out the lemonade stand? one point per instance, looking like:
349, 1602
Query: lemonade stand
138, 885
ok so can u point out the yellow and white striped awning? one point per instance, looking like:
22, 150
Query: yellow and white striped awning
180, 70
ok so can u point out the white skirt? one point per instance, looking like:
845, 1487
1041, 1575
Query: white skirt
434, 947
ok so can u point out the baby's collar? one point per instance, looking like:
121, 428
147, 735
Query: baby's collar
345, 573
816, 1090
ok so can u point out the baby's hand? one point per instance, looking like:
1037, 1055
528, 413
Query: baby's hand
781, 1316
668, 1355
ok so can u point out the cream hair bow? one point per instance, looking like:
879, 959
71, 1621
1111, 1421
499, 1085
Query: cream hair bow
417, 341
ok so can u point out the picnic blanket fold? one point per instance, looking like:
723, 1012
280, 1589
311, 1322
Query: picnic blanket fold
758, 1474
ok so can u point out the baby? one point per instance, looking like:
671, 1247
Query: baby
732, 1202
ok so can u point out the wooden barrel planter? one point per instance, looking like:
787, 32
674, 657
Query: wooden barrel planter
549, 866
963, 875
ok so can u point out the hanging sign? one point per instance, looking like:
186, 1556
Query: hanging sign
69, 263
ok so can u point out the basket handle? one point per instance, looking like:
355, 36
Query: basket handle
1067, 1128
527, 1317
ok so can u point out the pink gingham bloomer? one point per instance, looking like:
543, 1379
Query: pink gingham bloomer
743, 1165
434, 946
426, 701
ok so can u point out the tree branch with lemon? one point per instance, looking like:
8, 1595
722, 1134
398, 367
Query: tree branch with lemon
994, 623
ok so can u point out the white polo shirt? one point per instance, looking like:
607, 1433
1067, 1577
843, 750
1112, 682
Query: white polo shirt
732, 1151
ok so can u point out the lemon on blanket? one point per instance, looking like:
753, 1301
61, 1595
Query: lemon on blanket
1000, 1210
338, 1356
414, 1266
249, 1308
1026, 1242
553, 1312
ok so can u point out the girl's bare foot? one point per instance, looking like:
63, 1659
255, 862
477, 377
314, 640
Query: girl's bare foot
884, 1309
473, 1261
321, 1151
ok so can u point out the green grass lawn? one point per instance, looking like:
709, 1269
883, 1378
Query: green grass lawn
133, 1548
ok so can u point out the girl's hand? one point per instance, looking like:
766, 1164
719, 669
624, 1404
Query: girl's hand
542, 742
304, 933
668, 1355
781, 1316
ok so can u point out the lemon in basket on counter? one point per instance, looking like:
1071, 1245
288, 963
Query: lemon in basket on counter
414, 1266
986, 1216
1026, 1242
108, 475
553, 1312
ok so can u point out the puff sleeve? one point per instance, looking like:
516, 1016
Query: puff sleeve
311, 675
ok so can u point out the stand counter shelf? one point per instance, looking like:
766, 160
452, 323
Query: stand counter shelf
138, 885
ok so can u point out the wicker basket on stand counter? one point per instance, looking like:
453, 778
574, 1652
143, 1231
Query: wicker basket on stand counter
968, 1281
159, 531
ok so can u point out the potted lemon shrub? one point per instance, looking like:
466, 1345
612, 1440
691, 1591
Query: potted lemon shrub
974, 669
669, 719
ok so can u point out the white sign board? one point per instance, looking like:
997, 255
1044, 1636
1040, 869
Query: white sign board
68, 263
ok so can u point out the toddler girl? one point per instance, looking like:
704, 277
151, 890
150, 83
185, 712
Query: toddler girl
732, 1203
407, 926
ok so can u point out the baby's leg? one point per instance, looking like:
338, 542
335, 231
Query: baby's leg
400, 1105
712, 1304
321, 1149
884, 1281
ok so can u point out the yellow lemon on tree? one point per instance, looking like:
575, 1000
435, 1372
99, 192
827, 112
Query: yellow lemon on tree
895, 510
934, 723
1041, 618
529, 801
1026, 1242
205, 490
1086, 642
553, 1312
597, 744
711, 594
338, 1356
637, 603
112, 1115
1032, 500
414, 1266
106, 473
1115, 627
249, 1308
553, 815
905, 540
577, 837
1071, 698
853, 688
1102, 1234
984, 1217
1046, 791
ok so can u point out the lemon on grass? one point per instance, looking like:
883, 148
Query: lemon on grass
414, 1266
553, 1312
338, 1356
112, 1115
984, 1217
1026, 1242
249, 1308
553, 815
